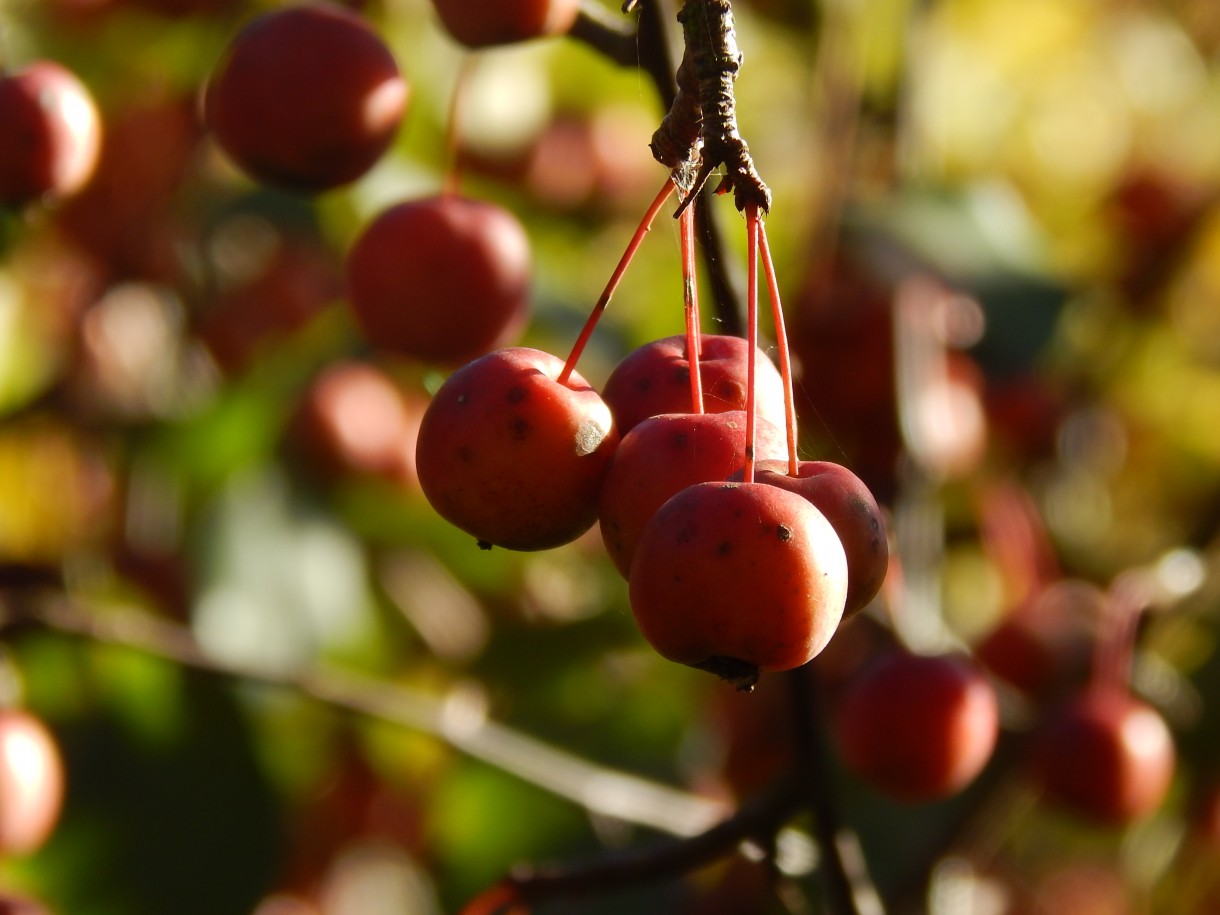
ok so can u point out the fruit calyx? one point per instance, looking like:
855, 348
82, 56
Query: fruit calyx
743, 675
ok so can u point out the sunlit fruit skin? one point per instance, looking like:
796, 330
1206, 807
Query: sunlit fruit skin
513, 457
486, 23
917, 728
307, 97
655, 379
442, 279
31, 782
848, 505
663, 455
738, 578
51, 134
1106, 755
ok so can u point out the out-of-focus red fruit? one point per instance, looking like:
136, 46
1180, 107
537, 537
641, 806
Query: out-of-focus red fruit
513, 457
738, 578
917, 727
355, 419
1107, 756
655, 379
843, 498
20, 905
307, 97
52, 133
31, 782
484, 23
663, 455
442, 279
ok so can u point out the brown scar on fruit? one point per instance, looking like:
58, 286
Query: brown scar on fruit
741, 674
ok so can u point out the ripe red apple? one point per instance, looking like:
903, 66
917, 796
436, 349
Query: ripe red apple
442, 279
31, 782
513, 457
848, 505
307, 96
655, 379
1106, 755
917, 727
663, 455
51, 136
484, 23
738, 578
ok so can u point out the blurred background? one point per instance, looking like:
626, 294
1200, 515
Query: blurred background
281, 685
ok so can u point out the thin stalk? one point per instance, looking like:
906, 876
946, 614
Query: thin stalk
785, 356
751, 336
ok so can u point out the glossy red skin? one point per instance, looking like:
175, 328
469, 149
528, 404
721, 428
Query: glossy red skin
738, 571
511, 456
485, 23
655, 379
663, 455
31, 782
307, 97
441, 279
848, 505
1107, 756
52, 134
917, 727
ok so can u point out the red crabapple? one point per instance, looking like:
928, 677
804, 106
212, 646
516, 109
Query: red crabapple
655, 379
1106, 755
31, 782
663, 455
442, 279
917, 727
484, 23
513, 457
307, 97
52, 134
853, 512
738, 578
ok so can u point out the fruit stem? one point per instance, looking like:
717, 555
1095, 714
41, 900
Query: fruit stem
690, 300
781, 337
600, 306
502, 897
1128, 596
451, 181
751, 336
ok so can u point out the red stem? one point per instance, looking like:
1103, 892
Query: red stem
1126, 600
636, 240
503, 897
451, 181
751, 335
690, 299
785, 356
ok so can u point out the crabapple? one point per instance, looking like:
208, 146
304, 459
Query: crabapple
484, 23
738, 578
655, 379
31, 782
917, 727
853, 512
52, 133
442, 279
1106, 755
512, 456
307, 97
663, 455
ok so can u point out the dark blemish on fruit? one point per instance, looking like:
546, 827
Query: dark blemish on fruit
750, 452
463, 398
520, 429
589, 437
742, 674
679, 439
483, 544
724, 549
643, 384
516, 394
682, 374
686, 535
784, 532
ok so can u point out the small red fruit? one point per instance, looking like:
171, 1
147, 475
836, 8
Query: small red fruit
307, 96
443, 279
655, 379
663, 455
484, 23
917, 727
738, 578
513, 457
31, 782
52, 134
853, 512
1107, 756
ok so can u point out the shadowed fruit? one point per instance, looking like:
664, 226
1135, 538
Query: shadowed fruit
484, 23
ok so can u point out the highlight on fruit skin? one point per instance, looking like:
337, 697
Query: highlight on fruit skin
31, 782
511, 456
738, 579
